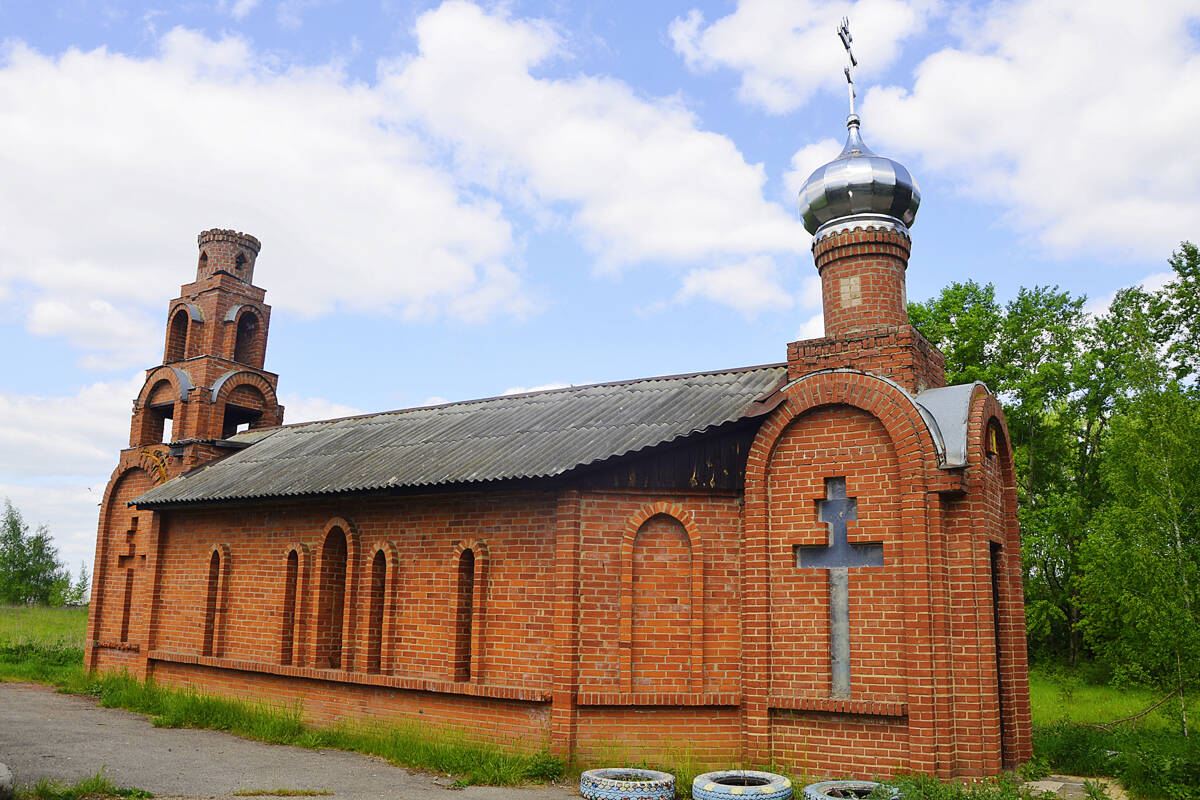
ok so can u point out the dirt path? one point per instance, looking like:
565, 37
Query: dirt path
48, 735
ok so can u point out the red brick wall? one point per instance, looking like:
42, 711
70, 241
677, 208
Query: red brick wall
824, 443
518, 530
828, 746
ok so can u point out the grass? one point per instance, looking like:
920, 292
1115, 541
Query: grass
94, 787
1083, 696
65, 627
281, 793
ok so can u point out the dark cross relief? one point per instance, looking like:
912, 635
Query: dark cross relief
129, 562
838, 557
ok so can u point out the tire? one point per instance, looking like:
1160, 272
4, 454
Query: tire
735, 783
626, 784
846, 789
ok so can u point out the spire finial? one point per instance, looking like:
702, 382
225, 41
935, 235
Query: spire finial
844, 34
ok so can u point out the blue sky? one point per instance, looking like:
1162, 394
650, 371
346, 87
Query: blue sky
460, 199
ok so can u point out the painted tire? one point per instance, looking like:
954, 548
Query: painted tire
846, 789
626, 784
735, 783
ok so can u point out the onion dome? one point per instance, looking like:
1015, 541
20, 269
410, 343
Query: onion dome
859, 189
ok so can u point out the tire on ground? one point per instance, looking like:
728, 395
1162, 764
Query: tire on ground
735, 783
620, 783
847, 789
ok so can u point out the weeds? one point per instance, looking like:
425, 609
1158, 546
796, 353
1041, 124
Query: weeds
282, 793
96, 786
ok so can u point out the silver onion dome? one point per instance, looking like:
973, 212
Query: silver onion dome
859, 188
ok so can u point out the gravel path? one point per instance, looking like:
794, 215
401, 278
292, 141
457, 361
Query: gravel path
44, 734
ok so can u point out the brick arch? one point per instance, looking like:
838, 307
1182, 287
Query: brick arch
917, 463
127, 482
696, 542
478, 605
152, 460
297, 611
235, 378
379, 637
249, 349
349, 593
179, 380
216, 601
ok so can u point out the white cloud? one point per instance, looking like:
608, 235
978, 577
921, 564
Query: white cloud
750, 286
76, 435
242, 8
1078, 119
140, 154
786, 50
636, 178
545, 387
804, 162
123, 339
310, 409
813, 328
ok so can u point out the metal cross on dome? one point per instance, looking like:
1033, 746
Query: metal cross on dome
844, 34
838, 557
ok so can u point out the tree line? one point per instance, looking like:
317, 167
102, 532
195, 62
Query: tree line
30, 571
1104, 415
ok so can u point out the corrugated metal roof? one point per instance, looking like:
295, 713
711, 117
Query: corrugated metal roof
534, 435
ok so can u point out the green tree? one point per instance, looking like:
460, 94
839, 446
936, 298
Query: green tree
1141, 583
30, 571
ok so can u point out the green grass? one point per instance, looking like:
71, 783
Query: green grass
41, 645
66, 627
1081, 696
96, 786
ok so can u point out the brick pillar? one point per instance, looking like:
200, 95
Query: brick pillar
862, 279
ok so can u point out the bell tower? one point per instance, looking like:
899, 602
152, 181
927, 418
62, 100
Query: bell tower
211, 382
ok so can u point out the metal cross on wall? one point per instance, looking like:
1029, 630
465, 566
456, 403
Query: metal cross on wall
838, 557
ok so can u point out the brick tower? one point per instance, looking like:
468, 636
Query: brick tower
210, 385
883, 624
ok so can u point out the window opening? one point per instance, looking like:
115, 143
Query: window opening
177, 333
289, 608
378, 596
332, 600
464, 615
247, 334
210, 604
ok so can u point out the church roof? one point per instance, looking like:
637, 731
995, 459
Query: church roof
533, 435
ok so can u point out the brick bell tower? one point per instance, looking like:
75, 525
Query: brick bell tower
211, 383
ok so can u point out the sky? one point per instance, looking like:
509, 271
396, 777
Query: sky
461, 199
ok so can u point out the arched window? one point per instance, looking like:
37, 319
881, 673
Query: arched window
177, 333
203, 265
465, 611
210, 604
331, 600
245, 345
288, 633
378, 602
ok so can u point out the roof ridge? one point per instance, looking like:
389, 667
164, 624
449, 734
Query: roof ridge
573, 387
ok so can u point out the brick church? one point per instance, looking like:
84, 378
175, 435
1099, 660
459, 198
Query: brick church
813, 563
